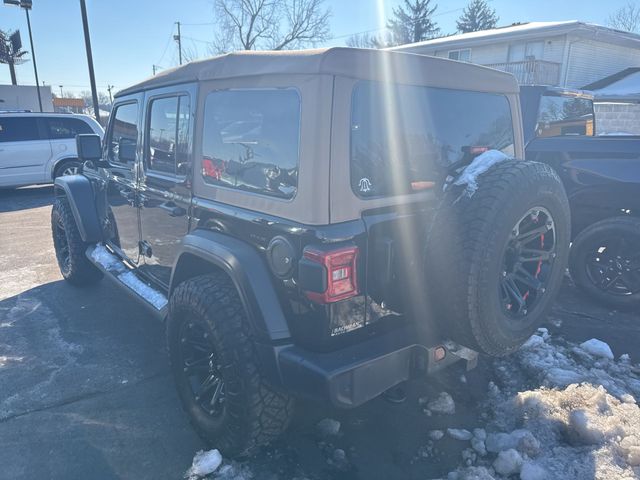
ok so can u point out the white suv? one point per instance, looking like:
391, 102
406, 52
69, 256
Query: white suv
37, 147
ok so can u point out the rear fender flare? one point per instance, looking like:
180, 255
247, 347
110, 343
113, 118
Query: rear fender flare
79, 192
248, 272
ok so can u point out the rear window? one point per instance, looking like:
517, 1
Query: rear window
250, 140
59, 128
18, 129
560, 116
403, 136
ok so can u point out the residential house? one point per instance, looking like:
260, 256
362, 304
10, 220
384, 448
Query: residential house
566, 54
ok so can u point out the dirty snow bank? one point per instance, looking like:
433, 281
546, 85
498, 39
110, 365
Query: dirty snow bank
560, 411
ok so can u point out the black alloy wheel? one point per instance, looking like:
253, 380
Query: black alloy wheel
527, 262
201, 368
614, 266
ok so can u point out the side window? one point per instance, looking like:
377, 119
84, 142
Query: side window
560, 116
169, 145
123, 134
250, 140
59, 128
18, 129
460, 55
403, 136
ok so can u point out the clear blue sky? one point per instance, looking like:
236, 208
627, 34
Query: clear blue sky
129, 36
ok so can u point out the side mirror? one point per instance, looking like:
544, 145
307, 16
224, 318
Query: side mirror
89, 147
126, 150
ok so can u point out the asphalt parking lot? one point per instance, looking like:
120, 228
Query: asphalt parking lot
85, 390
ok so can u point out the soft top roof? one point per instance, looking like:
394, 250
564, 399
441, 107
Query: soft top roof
349, 62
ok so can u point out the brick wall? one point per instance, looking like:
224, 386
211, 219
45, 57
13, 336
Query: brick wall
617, 118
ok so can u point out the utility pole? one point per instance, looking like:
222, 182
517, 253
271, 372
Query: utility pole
27, 7
60, 90
178, 38
109, 87
92, 76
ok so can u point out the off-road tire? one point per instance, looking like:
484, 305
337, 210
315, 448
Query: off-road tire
74, 266
65, 165
584, 245
255, 413
466, 243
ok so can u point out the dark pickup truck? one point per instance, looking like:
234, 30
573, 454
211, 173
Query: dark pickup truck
601, 175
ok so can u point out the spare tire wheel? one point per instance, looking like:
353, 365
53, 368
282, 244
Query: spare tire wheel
495, 256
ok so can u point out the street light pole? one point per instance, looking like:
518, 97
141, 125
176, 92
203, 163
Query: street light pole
33, 57
92, 77
178, 38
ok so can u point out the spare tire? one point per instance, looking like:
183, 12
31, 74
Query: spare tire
495, 255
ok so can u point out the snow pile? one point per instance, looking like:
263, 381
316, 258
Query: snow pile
204, 463
563, 411
443, 404
328, 427
597, 348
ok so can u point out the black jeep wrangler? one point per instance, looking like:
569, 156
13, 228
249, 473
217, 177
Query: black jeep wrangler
326, 223
601, 175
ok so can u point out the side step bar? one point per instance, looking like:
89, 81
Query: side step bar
115, 269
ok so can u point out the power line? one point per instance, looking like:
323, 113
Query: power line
166, 47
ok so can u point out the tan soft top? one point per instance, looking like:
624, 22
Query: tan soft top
358, 63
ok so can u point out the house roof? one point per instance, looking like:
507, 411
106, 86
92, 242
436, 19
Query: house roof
349, 62
621, 87
524, 31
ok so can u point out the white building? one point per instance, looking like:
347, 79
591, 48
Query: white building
24, 97
568, 54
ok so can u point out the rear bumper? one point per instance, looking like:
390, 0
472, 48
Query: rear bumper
352, 376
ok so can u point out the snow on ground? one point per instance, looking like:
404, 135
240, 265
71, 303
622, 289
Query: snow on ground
204, 463
560, 411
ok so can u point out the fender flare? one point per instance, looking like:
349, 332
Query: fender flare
249, 274
79, 192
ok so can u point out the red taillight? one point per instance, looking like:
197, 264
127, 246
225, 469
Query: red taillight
340, 267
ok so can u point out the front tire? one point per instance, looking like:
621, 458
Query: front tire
74, 266
216, 368
605, 261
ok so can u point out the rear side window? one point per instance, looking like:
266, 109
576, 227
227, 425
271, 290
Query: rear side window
560, 116
58, 128
123, 135
403, 136
169, 140
250, 140
18, 129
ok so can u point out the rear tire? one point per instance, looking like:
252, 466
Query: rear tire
594, 265
74, 265
67, 167
208, 327
477, 260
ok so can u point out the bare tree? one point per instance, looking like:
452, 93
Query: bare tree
365, 40
626, 18
269, 24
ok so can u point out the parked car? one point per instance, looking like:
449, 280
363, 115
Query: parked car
602, 177
284, 214
38, 147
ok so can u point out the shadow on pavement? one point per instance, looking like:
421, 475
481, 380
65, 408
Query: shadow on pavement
25, 198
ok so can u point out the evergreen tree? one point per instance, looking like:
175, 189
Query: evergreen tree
413, 22
477, 16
